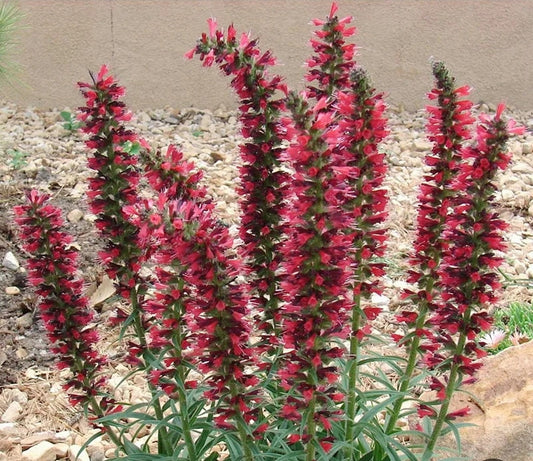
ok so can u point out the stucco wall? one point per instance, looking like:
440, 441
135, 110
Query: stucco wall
486, 43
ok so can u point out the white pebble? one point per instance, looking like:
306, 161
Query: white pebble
10, 261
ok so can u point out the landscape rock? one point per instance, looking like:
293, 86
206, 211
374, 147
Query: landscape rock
75, 215
43, 451
24, 321
503, 409
36, 438
12, 412
10, 261
9, 429
74, 454
12, 291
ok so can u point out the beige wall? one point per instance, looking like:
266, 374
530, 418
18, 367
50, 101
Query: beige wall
486, 43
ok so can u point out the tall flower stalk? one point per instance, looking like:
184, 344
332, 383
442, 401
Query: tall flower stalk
358, 127
448, 128
64, 309
361, 166
169, 336
262, 185
467, 271
216, 310
114, 188
316, 268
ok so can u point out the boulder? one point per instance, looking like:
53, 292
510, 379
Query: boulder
501, 407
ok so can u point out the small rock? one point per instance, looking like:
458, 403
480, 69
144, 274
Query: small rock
216, 156
61, 450
519, 267
75, 215
10, 261
12, 412
7, 429
96, 452
422, 145
74, 454
21, 353
43, 451
36, 438
380, 301
12, 291
507, 194
205, 122
25, 321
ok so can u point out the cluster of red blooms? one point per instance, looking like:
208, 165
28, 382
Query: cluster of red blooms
116, 180
448, 129
316, 267
64, 310
173, 179
262, 185
214, 305
467, 272
360, 129
332, 62
342, 88
200, 312
454, 258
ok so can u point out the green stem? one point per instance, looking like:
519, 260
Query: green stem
311, 430
97, 410
163, 441
186, 424
405, 379
182, 398
450, 389
241, 427
353, 375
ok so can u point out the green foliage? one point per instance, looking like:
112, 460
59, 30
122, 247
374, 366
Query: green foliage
17, 158
70, 122
9, 18
516, 321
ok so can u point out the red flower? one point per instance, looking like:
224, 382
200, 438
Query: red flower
262, 183
64, 309
115, 164
459, 413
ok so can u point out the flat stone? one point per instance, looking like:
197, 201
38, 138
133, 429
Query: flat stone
24, 321
36, 438
74, 454
9, 429
503, 410
61, 450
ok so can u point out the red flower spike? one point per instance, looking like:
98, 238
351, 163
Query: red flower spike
64, 309
198, 304
474, 234
113, 188
262, 185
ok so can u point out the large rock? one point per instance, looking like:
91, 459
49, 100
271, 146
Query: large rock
503, 407
43, 451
